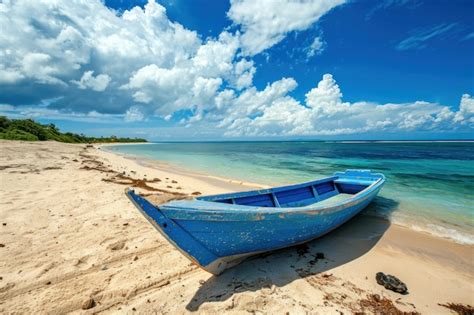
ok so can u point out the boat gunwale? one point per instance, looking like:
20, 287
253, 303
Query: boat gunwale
218, 211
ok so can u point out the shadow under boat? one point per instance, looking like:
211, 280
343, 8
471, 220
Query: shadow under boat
350, 241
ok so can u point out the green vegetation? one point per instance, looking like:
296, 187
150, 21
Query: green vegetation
29, 130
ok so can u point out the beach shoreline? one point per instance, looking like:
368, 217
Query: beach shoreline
87, 241
230, 183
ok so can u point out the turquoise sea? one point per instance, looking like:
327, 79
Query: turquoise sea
430, 184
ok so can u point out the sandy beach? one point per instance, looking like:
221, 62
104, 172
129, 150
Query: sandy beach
71, 241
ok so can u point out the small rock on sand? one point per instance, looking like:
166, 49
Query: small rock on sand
391, 283
88, 304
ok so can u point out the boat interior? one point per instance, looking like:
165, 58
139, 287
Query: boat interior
331, 190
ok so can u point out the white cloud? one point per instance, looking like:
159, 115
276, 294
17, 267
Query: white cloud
205, 89
194, 82
325, 114
243, 74
465, 115
158, 84
88, 81
265, 23
40, 67
419, 37
316, 47
326, 97
10, 76
250, 102
35, 112
63, 43
170, 90
387, 4
215, 57
134, 114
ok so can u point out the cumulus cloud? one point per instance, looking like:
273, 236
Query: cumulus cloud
88, 81
250, 103
465, 115
63, 44
326, 97
265, 23
243, 74
10, 76
93, 59
38, 66
325, 114
191, 83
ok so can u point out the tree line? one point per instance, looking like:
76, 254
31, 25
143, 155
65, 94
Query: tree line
29, 130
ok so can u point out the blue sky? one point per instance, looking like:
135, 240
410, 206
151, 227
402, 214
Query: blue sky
209, 70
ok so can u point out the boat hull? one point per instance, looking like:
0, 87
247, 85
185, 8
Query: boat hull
219, 238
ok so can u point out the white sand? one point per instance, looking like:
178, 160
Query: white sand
67, 236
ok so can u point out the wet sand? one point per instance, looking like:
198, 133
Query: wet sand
70, 239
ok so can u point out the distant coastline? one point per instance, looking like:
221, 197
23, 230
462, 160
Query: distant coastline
30, 130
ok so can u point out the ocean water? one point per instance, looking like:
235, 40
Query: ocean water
429, 185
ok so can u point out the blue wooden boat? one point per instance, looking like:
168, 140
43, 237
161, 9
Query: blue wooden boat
217, 232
